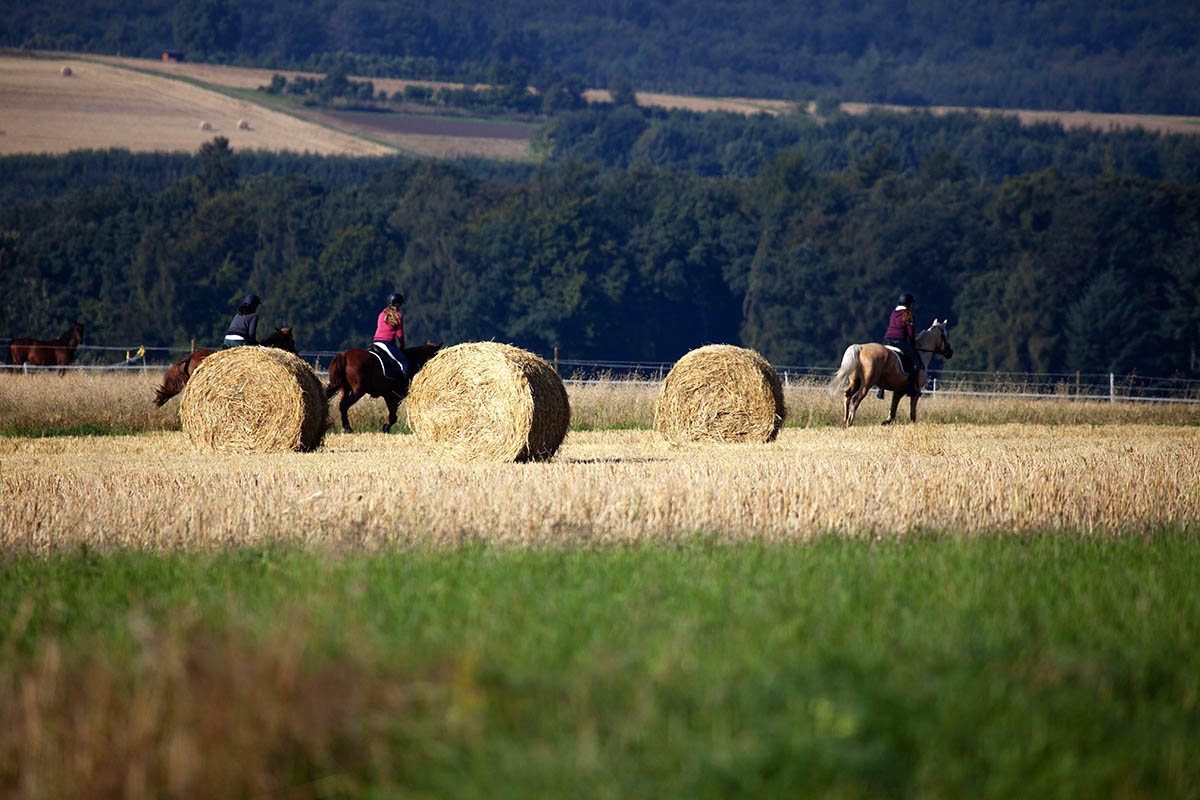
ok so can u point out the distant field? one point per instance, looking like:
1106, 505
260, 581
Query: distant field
145, 105
99, 106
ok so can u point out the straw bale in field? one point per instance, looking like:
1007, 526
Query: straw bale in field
206, 125
243, 125
66, 71
720, 393
486, 401
253, 400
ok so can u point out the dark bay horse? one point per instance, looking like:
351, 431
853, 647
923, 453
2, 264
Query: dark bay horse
52, 353
357, 372
179, 372
868, 365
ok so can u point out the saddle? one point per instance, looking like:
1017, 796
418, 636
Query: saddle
906, 364
393, 370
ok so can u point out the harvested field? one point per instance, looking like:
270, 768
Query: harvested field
1155, 123
603, 488
101, 106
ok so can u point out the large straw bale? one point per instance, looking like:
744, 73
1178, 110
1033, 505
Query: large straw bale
254, 400
720, 393
486, 401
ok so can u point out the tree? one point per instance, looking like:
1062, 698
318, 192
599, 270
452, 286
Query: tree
207, 27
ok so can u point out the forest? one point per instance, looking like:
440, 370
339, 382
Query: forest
1049, 251
1109, 55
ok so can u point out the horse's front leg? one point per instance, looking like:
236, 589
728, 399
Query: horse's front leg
895, 404
393, 403
912, 409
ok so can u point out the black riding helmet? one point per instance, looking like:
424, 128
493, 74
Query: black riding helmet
395, 299
251, 300
906, 300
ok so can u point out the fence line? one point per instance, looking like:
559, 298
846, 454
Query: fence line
1083, 386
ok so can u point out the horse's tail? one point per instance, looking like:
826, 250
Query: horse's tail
337, 375
173, 382
849, 363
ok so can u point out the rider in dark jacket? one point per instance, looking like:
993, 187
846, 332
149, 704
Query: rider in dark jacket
900, 334
243, 328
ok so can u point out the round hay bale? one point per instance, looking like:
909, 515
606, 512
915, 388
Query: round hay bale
720, 393
253, 400
66, 71
486, 401
206, 125
243, 125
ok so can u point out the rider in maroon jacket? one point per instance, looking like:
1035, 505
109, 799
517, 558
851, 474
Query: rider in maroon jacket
900, 334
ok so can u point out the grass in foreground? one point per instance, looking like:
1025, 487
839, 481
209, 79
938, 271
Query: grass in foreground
932, 666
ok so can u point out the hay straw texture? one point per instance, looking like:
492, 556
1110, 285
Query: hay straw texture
253, 400
720, 393
486, 401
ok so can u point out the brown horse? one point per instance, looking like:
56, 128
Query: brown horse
868, 365
53, 353
357, 372
179, 372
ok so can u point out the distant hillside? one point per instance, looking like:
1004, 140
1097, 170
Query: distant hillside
1115, 56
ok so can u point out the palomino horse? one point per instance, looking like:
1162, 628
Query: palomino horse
179, 372
357, 372
868, 365
53, 353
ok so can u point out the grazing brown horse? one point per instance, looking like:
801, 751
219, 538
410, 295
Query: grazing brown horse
179, 372
868, 365
357, 372
53, 353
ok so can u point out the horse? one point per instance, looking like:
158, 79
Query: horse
52, 353
867, 365
179, 372
357, 372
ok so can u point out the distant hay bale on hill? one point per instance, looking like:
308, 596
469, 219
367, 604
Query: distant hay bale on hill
486, 401
66, 71
253, 400
243, 125
206, 125
720, 393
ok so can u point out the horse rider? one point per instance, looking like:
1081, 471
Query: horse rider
245, 324
900, 334
389, 331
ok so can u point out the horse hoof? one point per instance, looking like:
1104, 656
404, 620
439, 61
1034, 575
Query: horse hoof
386, 429
886, 422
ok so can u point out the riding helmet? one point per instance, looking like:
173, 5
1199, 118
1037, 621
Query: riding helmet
906, 299
251, 300
395, 299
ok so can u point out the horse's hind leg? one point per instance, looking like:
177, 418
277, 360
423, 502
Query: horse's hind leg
349, 398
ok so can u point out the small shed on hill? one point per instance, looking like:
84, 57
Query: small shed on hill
172, 55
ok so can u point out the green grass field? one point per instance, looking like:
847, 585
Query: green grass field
933, 666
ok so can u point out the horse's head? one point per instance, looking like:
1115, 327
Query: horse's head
283, 339
76, 334
942, 345
419, 355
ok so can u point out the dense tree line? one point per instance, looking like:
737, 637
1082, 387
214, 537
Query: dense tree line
1114, 55
1043, 271
988, 147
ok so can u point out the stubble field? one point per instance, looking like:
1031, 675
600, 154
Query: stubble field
613, 481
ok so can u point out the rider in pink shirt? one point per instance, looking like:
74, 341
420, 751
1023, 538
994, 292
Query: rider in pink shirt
389, 330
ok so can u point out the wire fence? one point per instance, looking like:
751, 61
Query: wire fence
1090, 386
